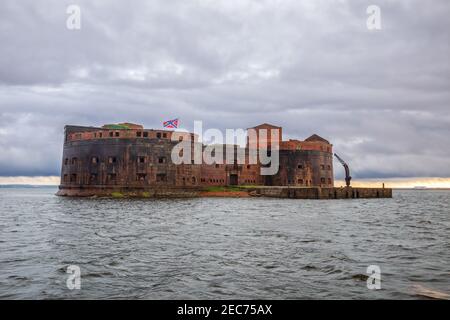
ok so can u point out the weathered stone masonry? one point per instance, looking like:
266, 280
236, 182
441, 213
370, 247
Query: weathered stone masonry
129, 158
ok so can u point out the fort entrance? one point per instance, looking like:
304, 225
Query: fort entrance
233, 179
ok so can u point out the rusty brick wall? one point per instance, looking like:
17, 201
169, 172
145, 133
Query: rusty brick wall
138, 162
304, 168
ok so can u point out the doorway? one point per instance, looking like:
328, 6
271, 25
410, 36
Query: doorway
233, 179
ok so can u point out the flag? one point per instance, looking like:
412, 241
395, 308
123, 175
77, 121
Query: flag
171, 123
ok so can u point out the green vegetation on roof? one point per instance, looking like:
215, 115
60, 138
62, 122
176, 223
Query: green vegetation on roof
116, 126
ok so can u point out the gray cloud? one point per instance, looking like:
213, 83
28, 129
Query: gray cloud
382, 97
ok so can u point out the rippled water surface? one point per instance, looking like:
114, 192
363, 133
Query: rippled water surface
218, 248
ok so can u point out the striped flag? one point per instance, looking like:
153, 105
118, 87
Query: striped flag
171, 123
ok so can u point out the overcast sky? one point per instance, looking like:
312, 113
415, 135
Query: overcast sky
380, 96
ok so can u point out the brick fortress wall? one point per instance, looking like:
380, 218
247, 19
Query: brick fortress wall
127, 155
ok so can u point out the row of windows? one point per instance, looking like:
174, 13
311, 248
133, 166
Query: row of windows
213, 180
139, 134
160, 177
309, 182
193, 180
144, 134
143, 159
110, 160
322, 180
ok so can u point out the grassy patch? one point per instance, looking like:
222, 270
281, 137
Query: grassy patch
222, 189
146, 194
117, 195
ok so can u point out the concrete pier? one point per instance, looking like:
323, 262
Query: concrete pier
230, 191
321, 193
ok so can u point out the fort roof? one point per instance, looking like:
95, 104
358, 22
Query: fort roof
316, 137
265, 125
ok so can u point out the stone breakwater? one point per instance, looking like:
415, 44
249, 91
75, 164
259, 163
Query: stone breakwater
233, 192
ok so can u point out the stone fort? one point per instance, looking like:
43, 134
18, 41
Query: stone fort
127, 156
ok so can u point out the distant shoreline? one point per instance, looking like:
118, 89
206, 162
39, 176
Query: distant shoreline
10, 186
7, 186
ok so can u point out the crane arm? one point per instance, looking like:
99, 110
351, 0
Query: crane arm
346, 168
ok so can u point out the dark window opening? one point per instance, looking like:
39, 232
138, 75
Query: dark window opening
322, 167
161, 159
329, 180
141, 176
161, 177
248, 166
112, 160
322, 180
111, 134
300, 181
217, 166
73, 177
145, 134
329, 167
180, 139
158, 135
74, 160
66, 161
117, 134
164, 135
300, 166
141, 159
138, 134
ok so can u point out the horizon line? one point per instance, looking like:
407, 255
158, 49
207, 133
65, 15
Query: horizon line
393, 182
